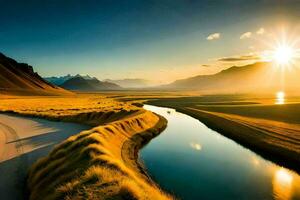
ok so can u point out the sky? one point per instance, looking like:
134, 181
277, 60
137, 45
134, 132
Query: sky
161, 40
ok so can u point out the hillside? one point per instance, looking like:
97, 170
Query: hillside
92, 84
257, 77
247, 77
20, 79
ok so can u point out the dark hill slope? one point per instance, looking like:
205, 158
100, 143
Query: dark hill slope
19, 78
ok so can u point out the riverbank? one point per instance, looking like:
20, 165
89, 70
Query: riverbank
23, 140
275, 140
99, 163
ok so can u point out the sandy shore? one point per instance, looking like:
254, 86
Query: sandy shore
22, 141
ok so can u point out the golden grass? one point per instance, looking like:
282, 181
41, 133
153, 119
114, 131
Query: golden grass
93, 164
101, 163
88, 109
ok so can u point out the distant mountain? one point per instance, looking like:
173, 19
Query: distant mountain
81, 83
86, 77
20, 79
253, 77
132, 83
60, 80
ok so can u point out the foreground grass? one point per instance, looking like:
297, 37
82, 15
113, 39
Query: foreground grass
101, 163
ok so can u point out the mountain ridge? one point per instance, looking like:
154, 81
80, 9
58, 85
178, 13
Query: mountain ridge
248, 78
20, 78
81, 83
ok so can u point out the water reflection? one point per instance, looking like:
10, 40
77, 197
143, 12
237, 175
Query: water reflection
255, 161
282, 184
195, 146
280, 97
231, 170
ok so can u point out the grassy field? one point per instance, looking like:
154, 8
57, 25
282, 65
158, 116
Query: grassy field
258, 123
91, 109
101, 163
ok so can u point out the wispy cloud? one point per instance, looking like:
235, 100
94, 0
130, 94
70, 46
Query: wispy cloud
214, 36
249, 57
246, 35
260, 31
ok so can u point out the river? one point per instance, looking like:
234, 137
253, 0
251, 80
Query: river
193, 162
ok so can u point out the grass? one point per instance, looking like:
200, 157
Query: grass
85, 108
101, 163
271, 130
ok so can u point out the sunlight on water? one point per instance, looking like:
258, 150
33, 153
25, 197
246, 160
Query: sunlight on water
195, 146
255, 161
189, 152
280, 97
282, 184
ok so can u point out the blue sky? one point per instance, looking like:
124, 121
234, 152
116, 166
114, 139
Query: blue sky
154, 39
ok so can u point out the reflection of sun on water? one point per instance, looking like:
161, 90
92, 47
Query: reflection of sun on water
284, 176
280, 97
255, 161
196, 146
282, 184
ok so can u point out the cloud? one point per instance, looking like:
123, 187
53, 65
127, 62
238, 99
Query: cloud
246, 35
249, 57
214, 36
260, 31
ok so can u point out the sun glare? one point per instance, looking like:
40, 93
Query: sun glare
280, 97
283, 55
283, 176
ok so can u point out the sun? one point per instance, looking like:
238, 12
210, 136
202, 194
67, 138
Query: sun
283, 55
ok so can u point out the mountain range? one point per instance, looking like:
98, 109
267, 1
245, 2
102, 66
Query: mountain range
86, 83
61, 79
261, 76
82, 83
20, 79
